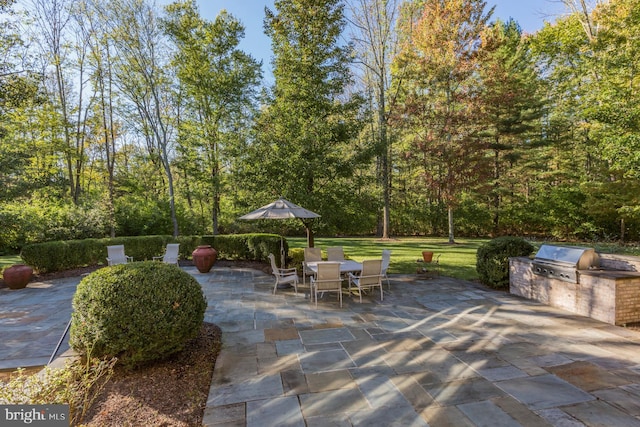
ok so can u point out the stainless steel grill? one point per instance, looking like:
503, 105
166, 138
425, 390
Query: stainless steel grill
563, 262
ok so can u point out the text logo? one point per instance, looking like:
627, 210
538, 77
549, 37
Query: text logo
34, 415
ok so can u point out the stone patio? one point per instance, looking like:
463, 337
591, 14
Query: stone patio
436, 352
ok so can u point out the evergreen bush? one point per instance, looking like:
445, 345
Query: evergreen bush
492, 259
137, 312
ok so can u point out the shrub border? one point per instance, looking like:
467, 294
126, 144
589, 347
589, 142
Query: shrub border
54, 256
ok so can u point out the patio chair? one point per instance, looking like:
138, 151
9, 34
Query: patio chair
310, 255
328, 279
369, 278
170, 254
116, 255
335, 253
283, 275
386, 260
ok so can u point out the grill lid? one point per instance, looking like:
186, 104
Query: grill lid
578, 257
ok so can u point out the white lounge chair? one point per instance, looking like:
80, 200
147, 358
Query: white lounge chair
310, 255
335, 253
328, 279
370, 277
116, 255
283, 275
386, 260
171, 254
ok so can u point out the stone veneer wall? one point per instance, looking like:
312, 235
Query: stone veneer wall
628, 302
612, 297
521, 277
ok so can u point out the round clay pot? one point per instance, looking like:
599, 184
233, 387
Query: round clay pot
204, 257
427, 256
17, 276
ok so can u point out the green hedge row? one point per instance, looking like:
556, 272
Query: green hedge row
64, 255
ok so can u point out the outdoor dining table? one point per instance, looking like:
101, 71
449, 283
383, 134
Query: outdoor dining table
347, 266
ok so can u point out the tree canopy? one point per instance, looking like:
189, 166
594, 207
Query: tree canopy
385, 117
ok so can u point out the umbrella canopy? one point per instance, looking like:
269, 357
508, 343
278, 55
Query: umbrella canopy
284, 209
280, 209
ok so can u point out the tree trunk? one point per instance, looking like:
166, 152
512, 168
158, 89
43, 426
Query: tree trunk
450, 212
496, 194
310, 239
307, 226
382, 124
172, 201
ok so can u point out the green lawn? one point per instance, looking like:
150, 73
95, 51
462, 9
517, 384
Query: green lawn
9, 260
457, 260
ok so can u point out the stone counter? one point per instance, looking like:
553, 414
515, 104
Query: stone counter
606, 295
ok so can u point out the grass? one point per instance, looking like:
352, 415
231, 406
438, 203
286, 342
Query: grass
9, 260
456, 260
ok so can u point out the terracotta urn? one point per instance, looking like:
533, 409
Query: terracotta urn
204, 257
17, 276
427, 256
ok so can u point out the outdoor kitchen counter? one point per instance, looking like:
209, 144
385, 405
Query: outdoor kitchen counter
608, 295
610, 274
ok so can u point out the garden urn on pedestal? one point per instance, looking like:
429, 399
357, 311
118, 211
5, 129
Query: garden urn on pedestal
427, 256
17, 276
204, 257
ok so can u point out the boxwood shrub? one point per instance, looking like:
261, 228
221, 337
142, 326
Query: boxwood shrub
137, 312
492, 259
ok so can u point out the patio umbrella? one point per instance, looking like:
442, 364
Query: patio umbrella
284, 209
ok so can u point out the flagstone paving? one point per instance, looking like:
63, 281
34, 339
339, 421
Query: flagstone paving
435, 352
32, 320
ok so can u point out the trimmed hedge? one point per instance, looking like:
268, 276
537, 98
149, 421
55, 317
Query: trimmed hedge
137, 312
64, 255
296, 258
250, 247
492, 259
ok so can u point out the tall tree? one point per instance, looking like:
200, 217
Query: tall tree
440, 40
309, 121
90, 21
511, 103
19, 89
373, 23
614, 109
219, 87
55, 28
141, 70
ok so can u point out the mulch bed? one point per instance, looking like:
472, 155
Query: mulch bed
172, 392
